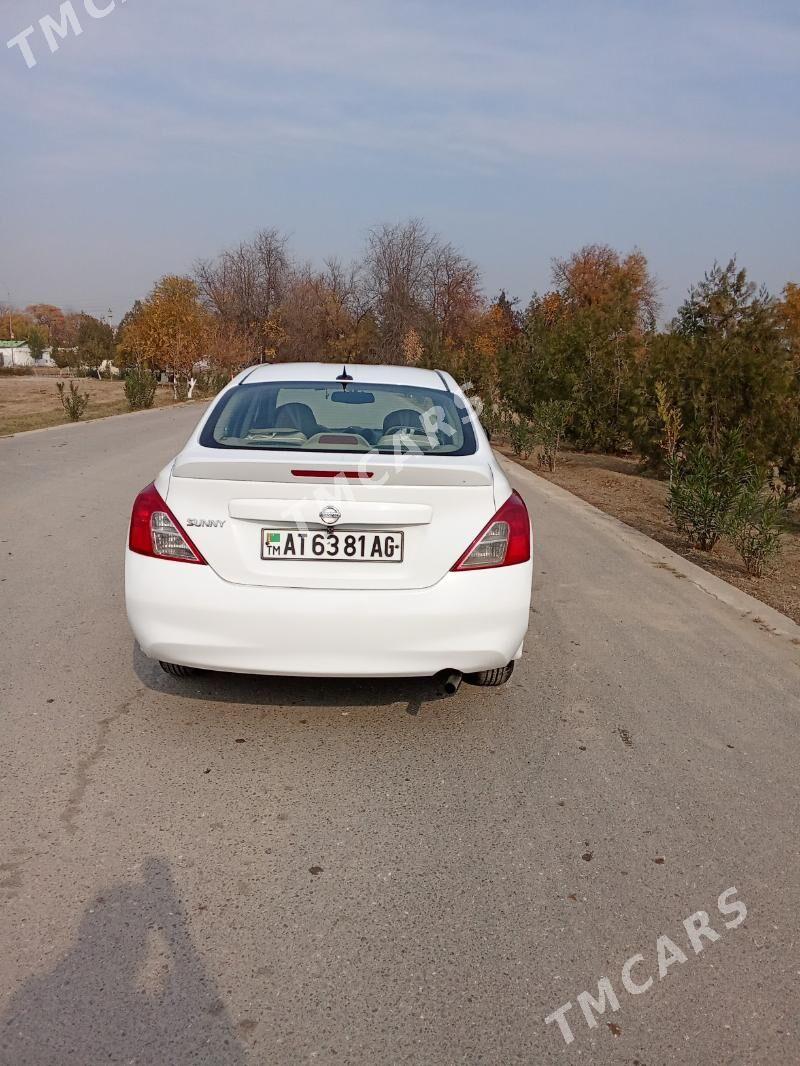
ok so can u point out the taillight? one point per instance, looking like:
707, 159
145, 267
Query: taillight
503, 541
155, 530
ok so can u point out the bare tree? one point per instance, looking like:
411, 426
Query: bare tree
272, 267
409, 287
453, 298
396, 269
244, 286
352, 306
323, 314
419, 285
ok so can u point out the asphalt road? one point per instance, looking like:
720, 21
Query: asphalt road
243, 870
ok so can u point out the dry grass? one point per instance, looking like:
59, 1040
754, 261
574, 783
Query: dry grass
33, 402
617, 486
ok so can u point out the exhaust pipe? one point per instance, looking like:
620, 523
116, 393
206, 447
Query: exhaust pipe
451, 681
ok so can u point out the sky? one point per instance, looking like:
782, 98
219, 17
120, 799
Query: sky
520, 131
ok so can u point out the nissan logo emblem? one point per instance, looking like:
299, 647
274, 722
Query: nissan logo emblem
330, 515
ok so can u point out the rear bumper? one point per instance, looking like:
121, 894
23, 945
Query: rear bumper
190, 616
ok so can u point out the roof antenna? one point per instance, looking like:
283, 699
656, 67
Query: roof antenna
344, 377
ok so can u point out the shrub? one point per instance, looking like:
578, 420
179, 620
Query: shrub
725, 360
494, 418
757, 522
672, 424
550, 419
210, 383
522, 436
140, 388
705, 483
74, 402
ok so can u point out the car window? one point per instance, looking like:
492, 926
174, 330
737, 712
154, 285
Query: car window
320, 416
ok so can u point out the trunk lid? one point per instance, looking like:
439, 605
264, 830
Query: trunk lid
439, 503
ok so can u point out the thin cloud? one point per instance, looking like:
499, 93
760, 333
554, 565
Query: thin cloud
600, 84
442, 103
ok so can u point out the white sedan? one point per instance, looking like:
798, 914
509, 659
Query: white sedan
333, 522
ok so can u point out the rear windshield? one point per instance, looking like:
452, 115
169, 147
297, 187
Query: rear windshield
323, 417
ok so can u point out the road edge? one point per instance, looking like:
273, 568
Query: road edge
765, 617
102, 418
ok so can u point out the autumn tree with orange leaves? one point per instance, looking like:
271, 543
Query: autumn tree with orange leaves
788, 308
171, 331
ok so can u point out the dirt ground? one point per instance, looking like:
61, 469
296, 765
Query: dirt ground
33, 402
617, 486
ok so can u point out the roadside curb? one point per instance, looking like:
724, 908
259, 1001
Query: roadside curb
747, 606
101, 418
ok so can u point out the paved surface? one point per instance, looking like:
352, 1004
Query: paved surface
242, 870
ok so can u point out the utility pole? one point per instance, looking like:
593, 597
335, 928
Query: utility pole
10, 328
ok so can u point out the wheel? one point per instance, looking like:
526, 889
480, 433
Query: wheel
177, 671
491, 678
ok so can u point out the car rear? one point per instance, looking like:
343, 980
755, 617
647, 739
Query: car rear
318, 524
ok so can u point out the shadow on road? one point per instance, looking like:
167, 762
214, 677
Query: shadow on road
132, 988
273, 691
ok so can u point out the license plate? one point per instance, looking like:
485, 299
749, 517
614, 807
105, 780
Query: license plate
330, 547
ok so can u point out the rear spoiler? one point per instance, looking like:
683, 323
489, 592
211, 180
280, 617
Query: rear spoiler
370, 470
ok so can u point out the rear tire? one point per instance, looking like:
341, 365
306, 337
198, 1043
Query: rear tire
177, 671
491, 678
